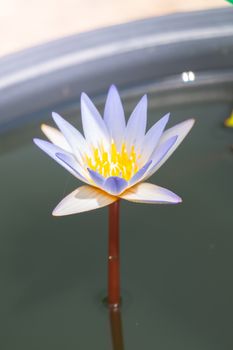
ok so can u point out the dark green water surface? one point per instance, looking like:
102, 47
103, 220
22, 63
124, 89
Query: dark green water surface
177, 261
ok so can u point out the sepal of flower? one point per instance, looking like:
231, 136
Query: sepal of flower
113, 158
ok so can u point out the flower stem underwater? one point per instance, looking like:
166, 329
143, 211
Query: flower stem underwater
116, 329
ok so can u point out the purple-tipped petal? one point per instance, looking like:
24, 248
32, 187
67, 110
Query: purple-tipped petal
139, 174
152, 137
114, 185
136, 125
149, 193
96, 177
94, 127
114, 116
83, 199
52, 150
180, 130
71, 162
158, 155
72, 135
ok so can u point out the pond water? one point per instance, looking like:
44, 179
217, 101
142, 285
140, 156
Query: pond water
176, 261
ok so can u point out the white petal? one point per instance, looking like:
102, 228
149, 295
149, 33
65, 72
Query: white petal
75, 139
114, 116
56, 137
84, 198
148, 193
136, 125
53, 151
94, 128
152, 137
180, 130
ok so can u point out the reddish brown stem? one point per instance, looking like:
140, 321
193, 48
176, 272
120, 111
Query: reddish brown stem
116, 329
114, 256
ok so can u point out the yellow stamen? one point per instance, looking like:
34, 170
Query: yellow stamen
113, 162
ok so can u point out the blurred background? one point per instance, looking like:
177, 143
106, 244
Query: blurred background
25, 23
177, 281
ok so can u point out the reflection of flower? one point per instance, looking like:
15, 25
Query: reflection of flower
114, 158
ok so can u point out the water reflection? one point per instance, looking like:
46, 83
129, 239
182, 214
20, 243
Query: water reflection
116, 329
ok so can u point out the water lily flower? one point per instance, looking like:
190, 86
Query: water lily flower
113, 158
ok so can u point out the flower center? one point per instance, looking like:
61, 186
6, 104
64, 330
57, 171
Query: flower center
114, 163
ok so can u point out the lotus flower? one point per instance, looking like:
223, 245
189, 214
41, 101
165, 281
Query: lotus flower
113, 158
